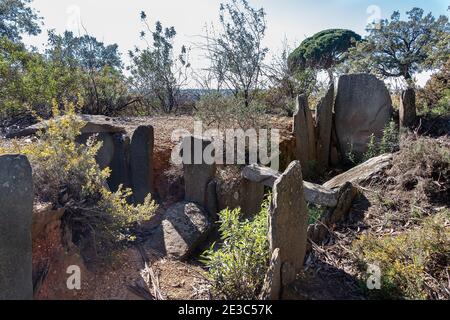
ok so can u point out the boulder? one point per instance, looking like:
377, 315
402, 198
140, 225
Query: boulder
363, 107
288, 222
141, 163
16, 207
184, 226
362, 173
324, 124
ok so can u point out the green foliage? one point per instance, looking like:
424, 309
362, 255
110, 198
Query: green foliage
434, 98
399, 48
156, 74
315, 213
239, 266
411, 262
389, 143
237, 52
324, 50
16, 18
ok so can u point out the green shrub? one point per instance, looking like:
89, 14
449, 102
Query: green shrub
238, 267
412, 262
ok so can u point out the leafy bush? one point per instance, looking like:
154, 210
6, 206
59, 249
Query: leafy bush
66, 173
239, 266
413, 264
224, 111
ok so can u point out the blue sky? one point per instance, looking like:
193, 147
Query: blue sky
114, 21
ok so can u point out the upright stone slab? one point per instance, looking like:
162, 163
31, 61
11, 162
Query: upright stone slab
252, 197
363, 107
407, 112
198, 170
288, 222
324, 124
141, 163
305, 149
272, 282
120, 163
16, 207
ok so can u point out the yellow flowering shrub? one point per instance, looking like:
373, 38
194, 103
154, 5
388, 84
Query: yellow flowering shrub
66, 172
411, 262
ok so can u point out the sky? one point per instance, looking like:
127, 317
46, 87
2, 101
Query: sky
118, 21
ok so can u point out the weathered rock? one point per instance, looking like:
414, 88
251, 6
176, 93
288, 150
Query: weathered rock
184, 227
272, 283
197, 172
407, 110
16, 205
347, 194
304, 132
363, 107
319, 195
324, 123
252, 195
211, 198
314, 193
94, 124
105, 154
120, 163
141, 163
288, 222
362, 173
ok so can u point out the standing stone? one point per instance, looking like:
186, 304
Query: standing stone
105, 154
288, 222
305, 149
141, 163
120, 163
198, 171
363, 107
408, 108
252, 197
324, 123
272, 282
16, 207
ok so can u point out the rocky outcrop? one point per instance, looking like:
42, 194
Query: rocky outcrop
16, 205
363, 107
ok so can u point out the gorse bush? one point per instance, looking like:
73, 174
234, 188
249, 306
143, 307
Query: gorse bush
66, 173
411, 263
238, 267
